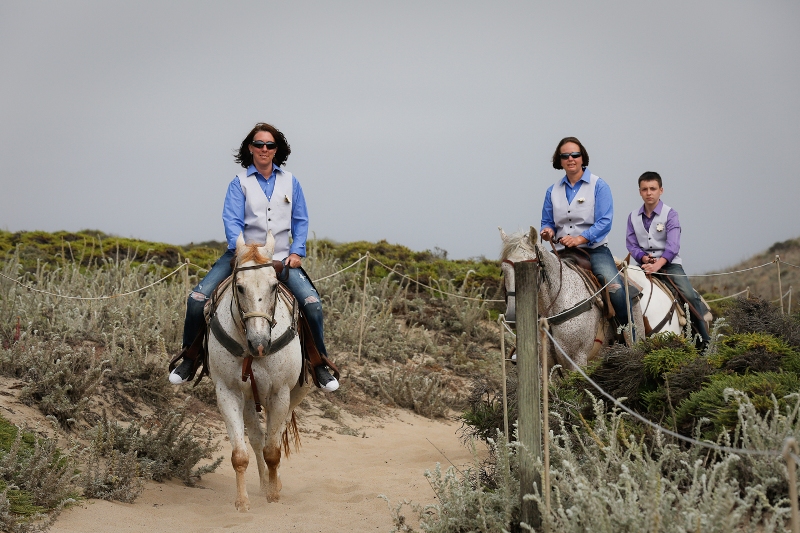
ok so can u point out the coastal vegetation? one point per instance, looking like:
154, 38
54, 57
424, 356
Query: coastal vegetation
420, 335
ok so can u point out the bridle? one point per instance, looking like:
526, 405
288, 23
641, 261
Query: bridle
243, 316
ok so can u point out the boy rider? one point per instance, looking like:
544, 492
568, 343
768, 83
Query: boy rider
654, 240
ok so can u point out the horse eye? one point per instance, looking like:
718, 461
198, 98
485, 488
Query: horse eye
240, 288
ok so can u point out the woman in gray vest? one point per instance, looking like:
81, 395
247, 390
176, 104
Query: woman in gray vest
577, 213
263, 197
654, 241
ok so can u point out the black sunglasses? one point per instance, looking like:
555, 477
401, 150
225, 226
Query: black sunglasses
261, 144
573, 155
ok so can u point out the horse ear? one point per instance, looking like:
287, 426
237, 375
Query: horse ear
502, 234
240, 241
269, 248
534, 235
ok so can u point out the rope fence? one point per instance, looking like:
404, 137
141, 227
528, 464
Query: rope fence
394, 270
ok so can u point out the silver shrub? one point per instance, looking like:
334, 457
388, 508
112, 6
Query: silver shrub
604, 479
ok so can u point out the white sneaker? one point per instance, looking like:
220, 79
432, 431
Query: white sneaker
327, 382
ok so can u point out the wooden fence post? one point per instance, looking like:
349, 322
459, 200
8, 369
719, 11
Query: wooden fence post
186, 276
780, 288
363, 307
501, 321
789, 447
526, 274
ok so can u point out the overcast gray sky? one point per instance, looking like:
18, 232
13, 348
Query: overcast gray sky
424, 123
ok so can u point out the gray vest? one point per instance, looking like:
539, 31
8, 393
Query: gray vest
262, 215
653, 242
575, 218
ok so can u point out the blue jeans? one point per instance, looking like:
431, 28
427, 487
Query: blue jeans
604, 269
681, 281
297, 282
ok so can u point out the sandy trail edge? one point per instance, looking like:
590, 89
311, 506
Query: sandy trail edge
332, 484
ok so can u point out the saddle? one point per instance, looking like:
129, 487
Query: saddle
578, 260
198, 350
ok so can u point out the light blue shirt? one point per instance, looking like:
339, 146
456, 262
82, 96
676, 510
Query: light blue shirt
603, 207
233, 210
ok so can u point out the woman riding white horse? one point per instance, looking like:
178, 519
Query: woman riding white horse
263, 198
579, 326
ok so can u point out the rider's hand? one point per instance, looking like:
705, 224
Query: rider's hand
547, 234
294, 261
654, 266
571, 242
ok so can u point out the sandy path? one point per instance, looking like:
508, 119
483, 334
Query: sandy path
332, 484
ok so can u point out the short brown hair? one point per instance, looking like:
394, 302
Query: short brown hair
245, 158
557, 154
650, 176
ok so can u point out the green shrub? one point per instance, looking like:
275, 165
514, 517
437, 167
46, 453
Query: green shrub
722, 413
172, 447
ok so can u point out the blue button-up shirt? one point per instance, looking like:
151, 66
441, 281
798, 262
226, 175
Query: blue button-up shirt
603, 207
233, 210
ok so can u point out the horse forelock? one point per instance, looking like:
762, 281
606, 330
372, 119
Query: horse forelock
517, 245
253, 253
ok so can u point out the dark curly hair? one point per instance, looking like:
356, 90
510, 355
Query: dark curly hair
557, 153
245, 158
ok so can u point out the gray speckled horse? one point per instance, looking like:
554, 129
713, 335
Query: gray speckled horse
252, 316
560, 289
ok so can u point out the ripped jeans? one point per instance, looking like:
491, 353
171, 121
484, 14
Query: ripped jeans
604, 269
298, 283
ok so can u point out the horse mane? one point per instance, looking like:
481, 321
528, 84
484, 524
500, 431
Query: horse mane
252, 253
515, 241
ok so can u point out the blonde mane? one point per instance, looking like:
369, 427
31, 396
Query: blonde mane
252, 252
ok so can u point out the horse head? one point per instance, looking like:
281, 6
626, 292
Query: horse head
516, 247
255, 291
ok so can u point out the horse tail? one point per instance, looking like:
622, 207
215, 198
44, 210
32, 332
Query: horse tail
292, 431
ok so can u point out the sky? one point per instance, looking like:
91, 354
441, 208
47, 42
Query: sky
425, 123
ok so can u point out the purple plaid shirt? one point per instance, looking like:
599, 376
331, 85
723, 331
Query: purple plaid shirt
673, 234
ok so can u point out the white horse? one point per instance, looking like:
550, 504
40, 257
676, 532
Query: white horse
659, 307
255, 339
561, 291
663, 313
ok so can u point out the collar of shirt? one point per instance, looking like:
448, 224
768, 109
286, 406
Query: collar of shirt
656, 211
253, 170
585, 177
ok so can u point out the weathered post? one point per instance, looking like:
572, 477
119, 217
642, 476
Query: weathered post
363, 322
789, 447
526, 274
502, 322
780, 287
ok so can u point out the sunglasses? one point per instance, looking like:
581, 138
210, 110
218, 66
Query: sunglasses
573, 155
261, 144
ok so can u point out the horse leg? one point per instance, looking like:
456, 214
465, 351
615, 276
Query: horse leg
255, 431
276, 422
230, 405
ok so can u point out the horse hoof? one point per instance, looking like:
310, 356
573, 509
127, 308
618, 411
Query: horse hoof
272, 498
242, 506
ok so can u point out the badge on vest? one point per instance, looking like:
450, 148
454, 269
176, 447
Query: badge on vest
581, 200
659, 227
286, 199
